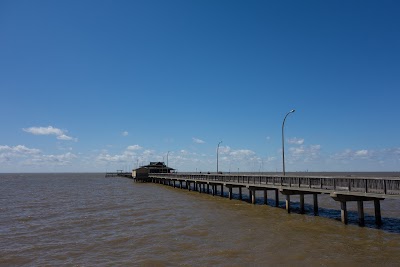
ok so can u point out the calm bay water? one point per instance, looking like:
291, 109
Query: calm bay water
89, 220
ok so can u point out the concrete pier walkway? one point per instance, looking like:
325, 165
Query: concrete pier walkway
341, 189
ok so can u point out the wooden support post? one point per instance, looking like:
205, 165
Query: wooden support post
222, 190
180, 184
208, 189
188, 183
250, 195
301, 203
230, 192
360, 206
378, 217
315, 198
213, 189
343, 212
265, 196
240, 193
288, 203
253, 196
276, 198
173, 183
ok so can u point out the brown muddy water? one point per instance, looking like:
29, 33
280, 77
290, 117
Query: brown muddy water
89, 220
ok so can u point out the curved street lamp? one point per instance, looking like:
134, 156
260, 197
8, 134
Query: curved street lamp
167, 160
217, 154
283, 142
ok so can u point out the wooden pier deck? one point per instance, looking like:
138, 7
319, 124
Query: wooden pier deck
119, 174
341, 189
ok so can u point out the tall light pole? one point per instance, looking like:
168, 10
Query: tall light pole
167, 161
283, 142
217, 154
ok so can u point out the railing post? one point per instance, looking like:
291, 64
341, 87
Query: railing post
309, 182
334, 183
384, 187
320, 182
366, 186
349, 184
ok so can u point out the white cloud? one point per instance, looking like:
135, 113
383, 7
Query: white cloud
49, 130
224, 149
134, 147
125, 133
20, 149
305, 153
197, 141
242, 152
349, 154
361, 153
20, 155
63, 159
44, 130
296, 141
65, 137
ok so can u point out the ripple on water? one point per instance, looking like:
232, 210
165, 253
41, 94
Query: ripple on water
86, 220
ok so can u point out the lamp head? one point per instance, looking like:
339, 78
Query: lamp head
292, 111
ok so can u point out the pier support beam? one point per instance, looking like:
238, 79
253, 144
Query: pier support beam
360, 207
222, 190
315, 198
288, 203
240, 193
253, 196
301, 203
265, 196
230, 192
276, 198
378, 217
343, 212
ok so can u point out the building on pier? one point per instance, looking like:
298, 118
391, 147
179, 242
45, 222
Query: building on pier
154, 167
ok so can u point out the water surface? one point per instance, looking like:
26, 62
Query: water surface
89, 220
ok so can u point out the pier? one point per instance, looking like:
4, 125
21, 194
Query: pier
119, 173
341, 189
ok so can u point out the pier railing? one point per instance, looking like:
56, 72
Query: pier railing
379, 186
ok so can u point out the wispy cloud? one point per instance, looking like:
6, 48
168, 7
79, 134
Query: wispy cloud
197, 140
238, 153
134, 147
350, 154
59, 160
19, 149
50, 130
296, 141
124, 133
22, 155
305, 153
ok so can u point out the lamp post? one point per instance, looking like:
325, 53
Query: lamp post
283, 142
167, 161
217, 154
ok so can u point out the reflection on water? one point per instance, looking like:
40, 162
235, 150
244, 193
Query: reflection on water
86, 219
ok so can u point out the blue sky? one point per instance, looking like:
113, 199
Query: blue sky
105, 85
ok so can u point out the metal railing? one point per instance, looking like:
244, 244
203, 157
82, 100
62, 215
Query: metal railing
383, 186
